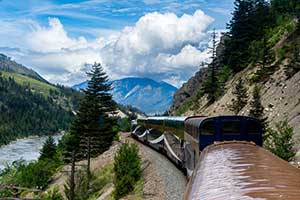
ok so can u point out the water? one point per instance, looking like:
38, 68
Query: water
27, 149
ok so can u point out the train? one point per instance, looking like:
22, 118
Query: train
222, 157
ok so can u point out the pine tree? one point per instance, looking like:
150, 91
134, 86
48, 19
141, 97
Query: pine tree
93, 130
294, 66
49, 149
250, 18
241, 97
211, 85
257, 109
127, 168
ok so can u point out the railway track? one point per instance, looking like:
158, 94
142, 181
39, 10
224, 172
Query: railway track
223, 158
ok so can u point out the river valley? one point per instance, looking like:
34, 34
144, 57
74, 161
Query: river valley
26, 149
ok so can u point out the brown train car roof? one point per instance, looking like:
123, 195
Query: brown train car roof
243, 171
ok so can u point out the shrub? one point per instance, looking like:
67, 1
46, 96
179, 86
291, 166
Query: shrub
49, 149
280, 142
52, 195
127, 168
124, 124
35, 174
32, 175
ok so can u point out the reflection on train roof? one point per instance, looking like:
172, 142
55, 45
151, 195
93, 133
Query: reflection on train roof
167, 118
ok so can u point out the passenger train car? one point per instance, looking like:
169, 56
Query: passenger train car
199, 132
222, 157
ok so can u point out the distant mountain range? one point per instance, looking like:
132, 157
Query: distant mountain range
145, 94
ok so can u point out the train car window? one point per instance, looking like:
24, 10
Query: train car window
253, 127
231, 127
208, 127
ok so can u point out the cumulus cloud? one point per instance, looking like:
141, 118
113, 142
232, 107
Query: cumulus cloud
52, 38
162, 46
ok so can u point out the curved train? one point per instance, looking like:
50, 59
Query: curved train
222, 157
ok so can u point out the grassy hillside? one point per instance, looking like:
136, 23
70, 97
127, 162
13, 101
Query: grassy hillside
35, 85
29, 105
9, 65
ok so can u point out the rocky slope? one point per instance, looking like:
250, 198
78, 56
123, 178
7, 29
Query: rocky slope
280, 94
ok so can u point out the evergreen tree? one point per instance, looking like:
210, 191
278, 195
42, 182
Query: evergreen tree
248, 23
127, 168
286, 6
257, 109
211, 85
49, 149
241, 97
294, 65
93, 130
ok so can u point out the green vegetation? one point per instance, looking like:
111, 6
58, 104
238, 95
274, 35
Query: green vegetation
127, 168
35, 114
280, 141
257, 109
241, 97
124, 124
210, 86
184, 107
34, 174
52, 195
49, 150
93, 130
93, 187
36, 86
294, 66
8, 65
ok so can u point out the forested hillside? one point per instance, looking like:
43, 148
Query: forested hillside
258, 67
29, 105
8, 65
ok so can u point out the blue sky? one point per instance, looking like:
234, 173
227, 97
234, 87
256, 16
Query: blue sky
41, 33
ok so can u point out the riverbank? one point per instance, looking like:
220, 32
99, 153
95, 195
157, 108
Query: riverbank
27, 149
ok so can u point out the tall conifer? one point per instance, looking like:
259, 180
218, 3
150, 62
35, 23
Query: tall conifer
257, 109
92, 132
241, 97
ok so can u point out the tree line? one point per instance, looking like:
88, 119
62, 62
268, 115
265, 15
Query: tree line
254, 29
24, 112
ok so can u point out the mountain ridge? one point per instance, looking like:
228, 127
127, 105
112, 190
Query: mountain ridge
8, 65
150, 96
38, 107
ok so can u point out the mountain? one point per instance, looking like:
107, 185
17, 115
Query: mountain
270, 62
29, 105
8, 65
145, 94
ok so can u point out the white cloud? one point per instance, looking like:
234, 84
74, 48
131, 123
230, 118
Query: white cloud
161, 46
52, 38
188, 56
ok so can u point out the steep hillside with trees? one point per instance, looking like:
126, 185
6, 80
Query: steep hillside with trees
258, 70
29, 105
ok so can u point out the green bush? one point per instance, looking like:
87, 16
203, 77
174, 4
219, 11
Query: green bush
124, 124
49, 149
283, 51
52, 195
280, 141
184, 107
127, 168
32, 175
35, 174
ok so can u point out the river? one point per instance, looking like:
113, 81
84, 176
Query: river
27, 149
